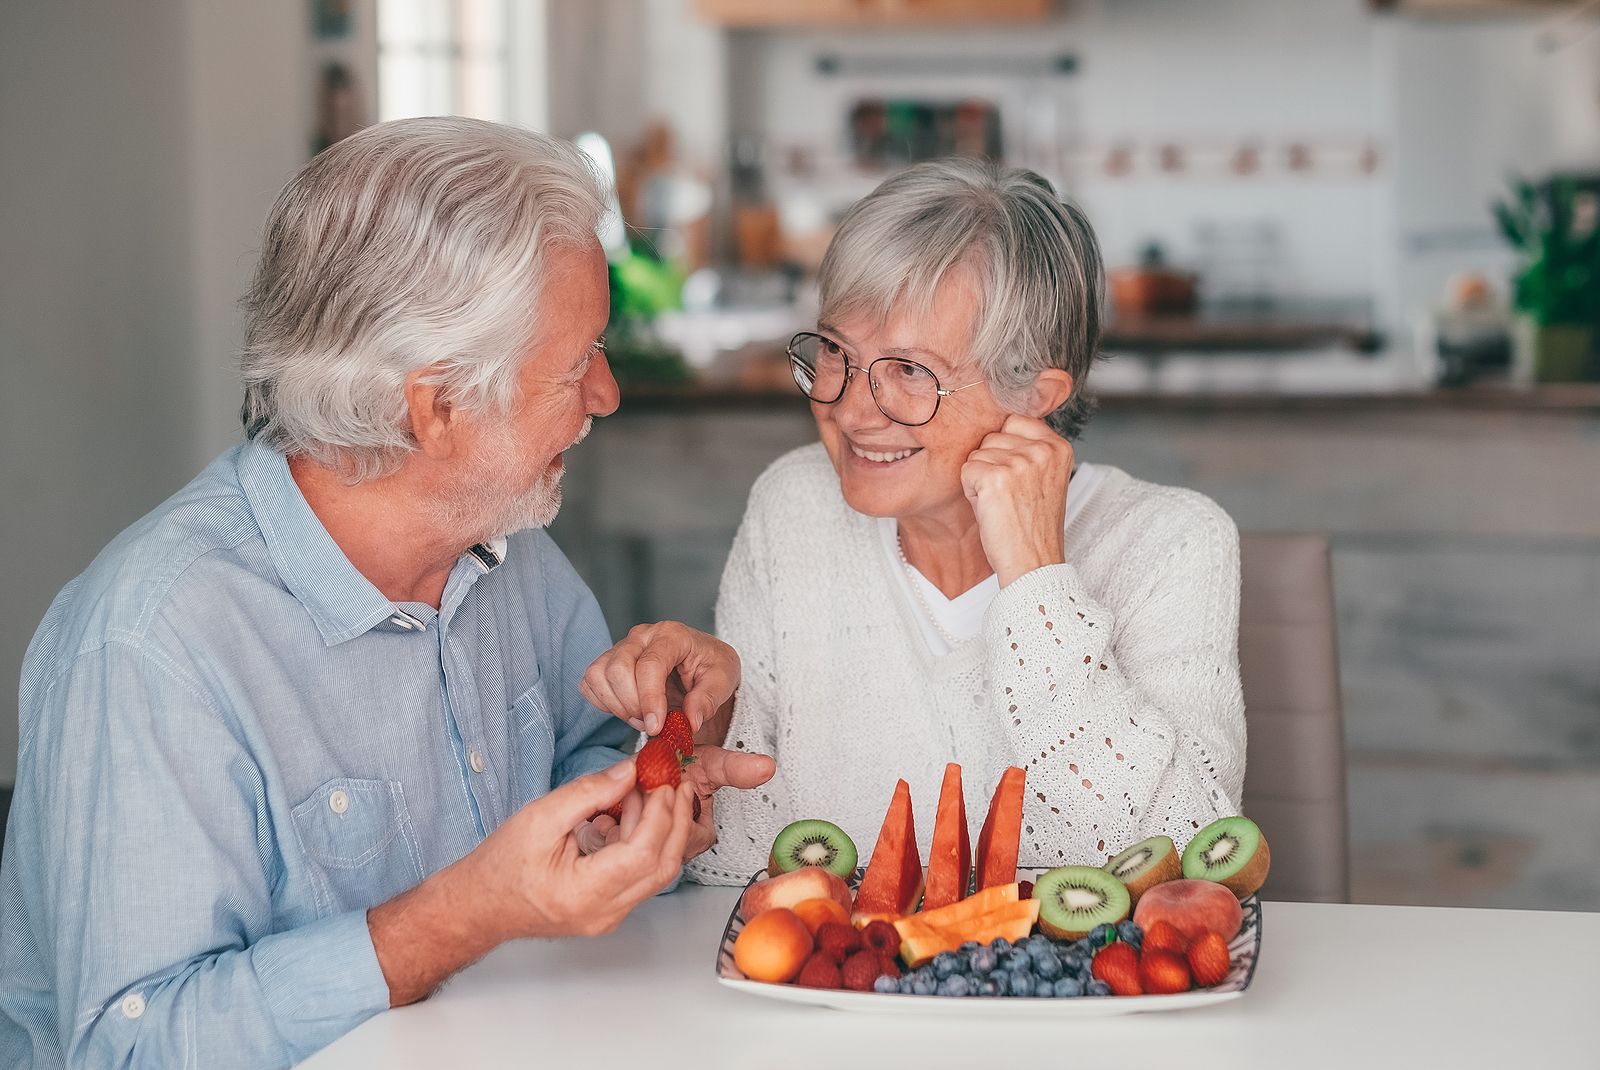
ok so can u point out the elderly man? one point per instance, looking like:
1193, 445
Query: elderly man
311, 736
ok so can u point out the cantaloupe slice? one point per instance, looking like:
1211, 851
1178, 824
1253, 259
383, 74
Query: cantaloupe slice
893, 881
973, 906
920, 942
998, 843
950, 855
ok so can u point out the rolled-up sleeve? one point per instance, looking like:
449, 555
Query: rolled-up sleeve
148, 867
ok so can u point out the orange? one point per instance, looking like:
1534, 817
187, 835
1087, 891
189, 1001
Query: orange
816, 911
773, 946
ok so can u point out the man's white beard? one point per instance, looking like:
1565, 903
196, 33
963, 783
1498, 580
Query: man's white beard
481, 509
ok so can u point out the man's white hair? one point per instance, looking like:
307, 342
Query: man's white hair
1035, 257
415, 244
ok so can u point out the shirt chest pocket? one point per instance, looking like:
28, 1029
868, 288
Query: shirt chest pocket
536, 742
359, 842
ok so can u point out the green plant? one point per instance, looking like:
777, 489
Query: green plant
1555, 229
642, 287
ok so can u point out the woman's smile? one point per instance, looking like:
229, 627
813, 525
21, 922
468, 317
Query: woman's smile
879, 458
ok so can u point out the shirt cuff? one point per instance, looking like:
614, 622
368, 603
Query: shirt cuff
321, 980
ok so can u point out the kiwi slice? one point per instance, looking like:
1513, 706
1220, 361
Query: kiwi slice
813, 843
1231, 851
1074, 899
1146, 864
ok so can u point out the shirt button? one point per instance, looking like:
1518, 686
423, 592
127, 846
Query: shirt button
339, 802
475, 759
132, 1005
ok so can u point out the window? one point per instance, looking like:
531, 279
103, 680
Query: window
461, 57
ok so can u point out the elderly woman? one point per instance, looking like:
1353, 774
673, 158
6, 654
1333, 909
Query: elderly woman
941, 579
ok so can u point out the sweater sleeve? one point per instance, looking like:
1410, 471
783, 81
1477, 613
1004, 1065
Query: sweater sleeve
747, 821
1130, 724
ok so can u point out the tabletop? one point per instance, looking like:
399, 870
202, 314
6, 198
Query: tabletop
1390, 986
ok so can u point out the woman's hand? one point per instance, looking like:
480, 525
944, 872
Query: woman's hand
659, 666
1017, 481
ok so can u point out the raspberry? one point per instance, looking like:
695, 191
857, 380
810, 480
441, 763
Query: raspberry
887, 965
861, 970
1208, 959
1118, 966
820, 971
837, 940
1165, 936
881, 937
1163, 972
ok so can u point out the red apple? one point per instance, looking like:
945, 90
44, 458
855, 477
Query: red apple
1193, 907
787, 889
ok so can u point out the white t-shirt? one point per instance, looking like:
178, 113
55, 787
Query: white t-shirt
960, 618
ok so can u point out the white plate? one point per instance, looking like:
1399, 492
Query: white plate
1244, 949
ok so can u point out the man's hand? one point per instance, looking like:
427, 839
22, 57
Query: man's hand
657, 666
529, 878
1017, 481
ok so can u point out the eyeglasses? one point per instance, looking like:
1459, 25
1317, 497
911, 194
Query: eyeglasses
904, 391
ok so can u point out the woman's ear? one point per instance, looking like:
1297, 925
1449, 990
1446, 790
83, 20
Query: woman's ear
1050, 391
435, 423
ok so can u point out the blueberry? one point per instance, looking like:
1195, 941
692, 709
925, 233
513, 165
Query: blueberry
905, 986
1021, 984
1002, 982
988, 987
945, 964
1130, 933
886, 984
1097, 988
923, 984
1067, 987
1102, 934
1037, 940
1040, 952
1072, 961
954, 985
1047, 968
984, 961
1000, 945
1085, 948
970, 946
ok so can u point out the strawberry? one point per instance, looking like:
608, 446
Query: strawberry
1165, 936
1208, 959
881, 937
1118, 966
860, 970
657, 765
820, 971
837, 940
676, 731
1163, 972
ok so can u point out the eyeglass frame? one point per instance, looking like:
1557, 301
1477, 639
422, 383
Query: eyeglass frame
939, 392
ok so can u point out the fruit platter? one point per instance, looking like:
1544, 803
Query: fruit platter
1155, 928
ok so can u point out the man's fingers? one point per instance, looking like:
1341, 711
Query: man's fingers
571, 803
650, 674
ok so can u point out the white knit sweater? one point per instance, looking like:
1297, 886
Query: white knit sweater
1113, 679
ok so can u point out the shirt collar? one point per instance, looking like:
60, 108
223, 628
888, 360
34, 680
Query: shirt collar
339, 599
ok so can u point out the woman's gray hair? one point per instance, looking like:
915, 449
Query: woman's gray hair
1037, 263
414, 244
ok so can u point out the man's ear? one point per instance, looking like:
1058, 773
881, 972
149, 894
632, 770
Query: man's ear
1050, 391
435, 422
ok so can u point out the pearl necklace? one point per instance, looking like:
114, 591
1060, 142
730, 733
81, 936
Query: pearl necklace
912, 575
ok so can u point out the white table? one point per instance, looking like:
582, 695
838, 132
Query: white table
1337, 986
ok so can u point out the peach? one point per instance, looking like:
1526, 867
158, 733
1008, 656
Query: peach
773, 946
787, 889
1193, 907
816, 911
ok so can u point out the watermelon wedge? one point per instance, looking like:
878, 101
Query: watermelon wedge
998, 843
893, 881
950, 856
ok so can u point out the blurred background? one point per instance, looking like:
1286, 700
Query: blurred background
1354, 274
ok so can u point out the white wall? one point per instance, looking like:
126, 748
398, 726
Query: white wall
141, 145
1451, 104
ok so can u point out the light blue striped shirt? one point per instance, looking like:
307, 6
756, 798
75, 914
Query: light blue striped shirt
232, 745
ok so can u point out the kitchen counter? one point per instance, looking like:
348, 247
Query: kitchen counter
1336, 986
